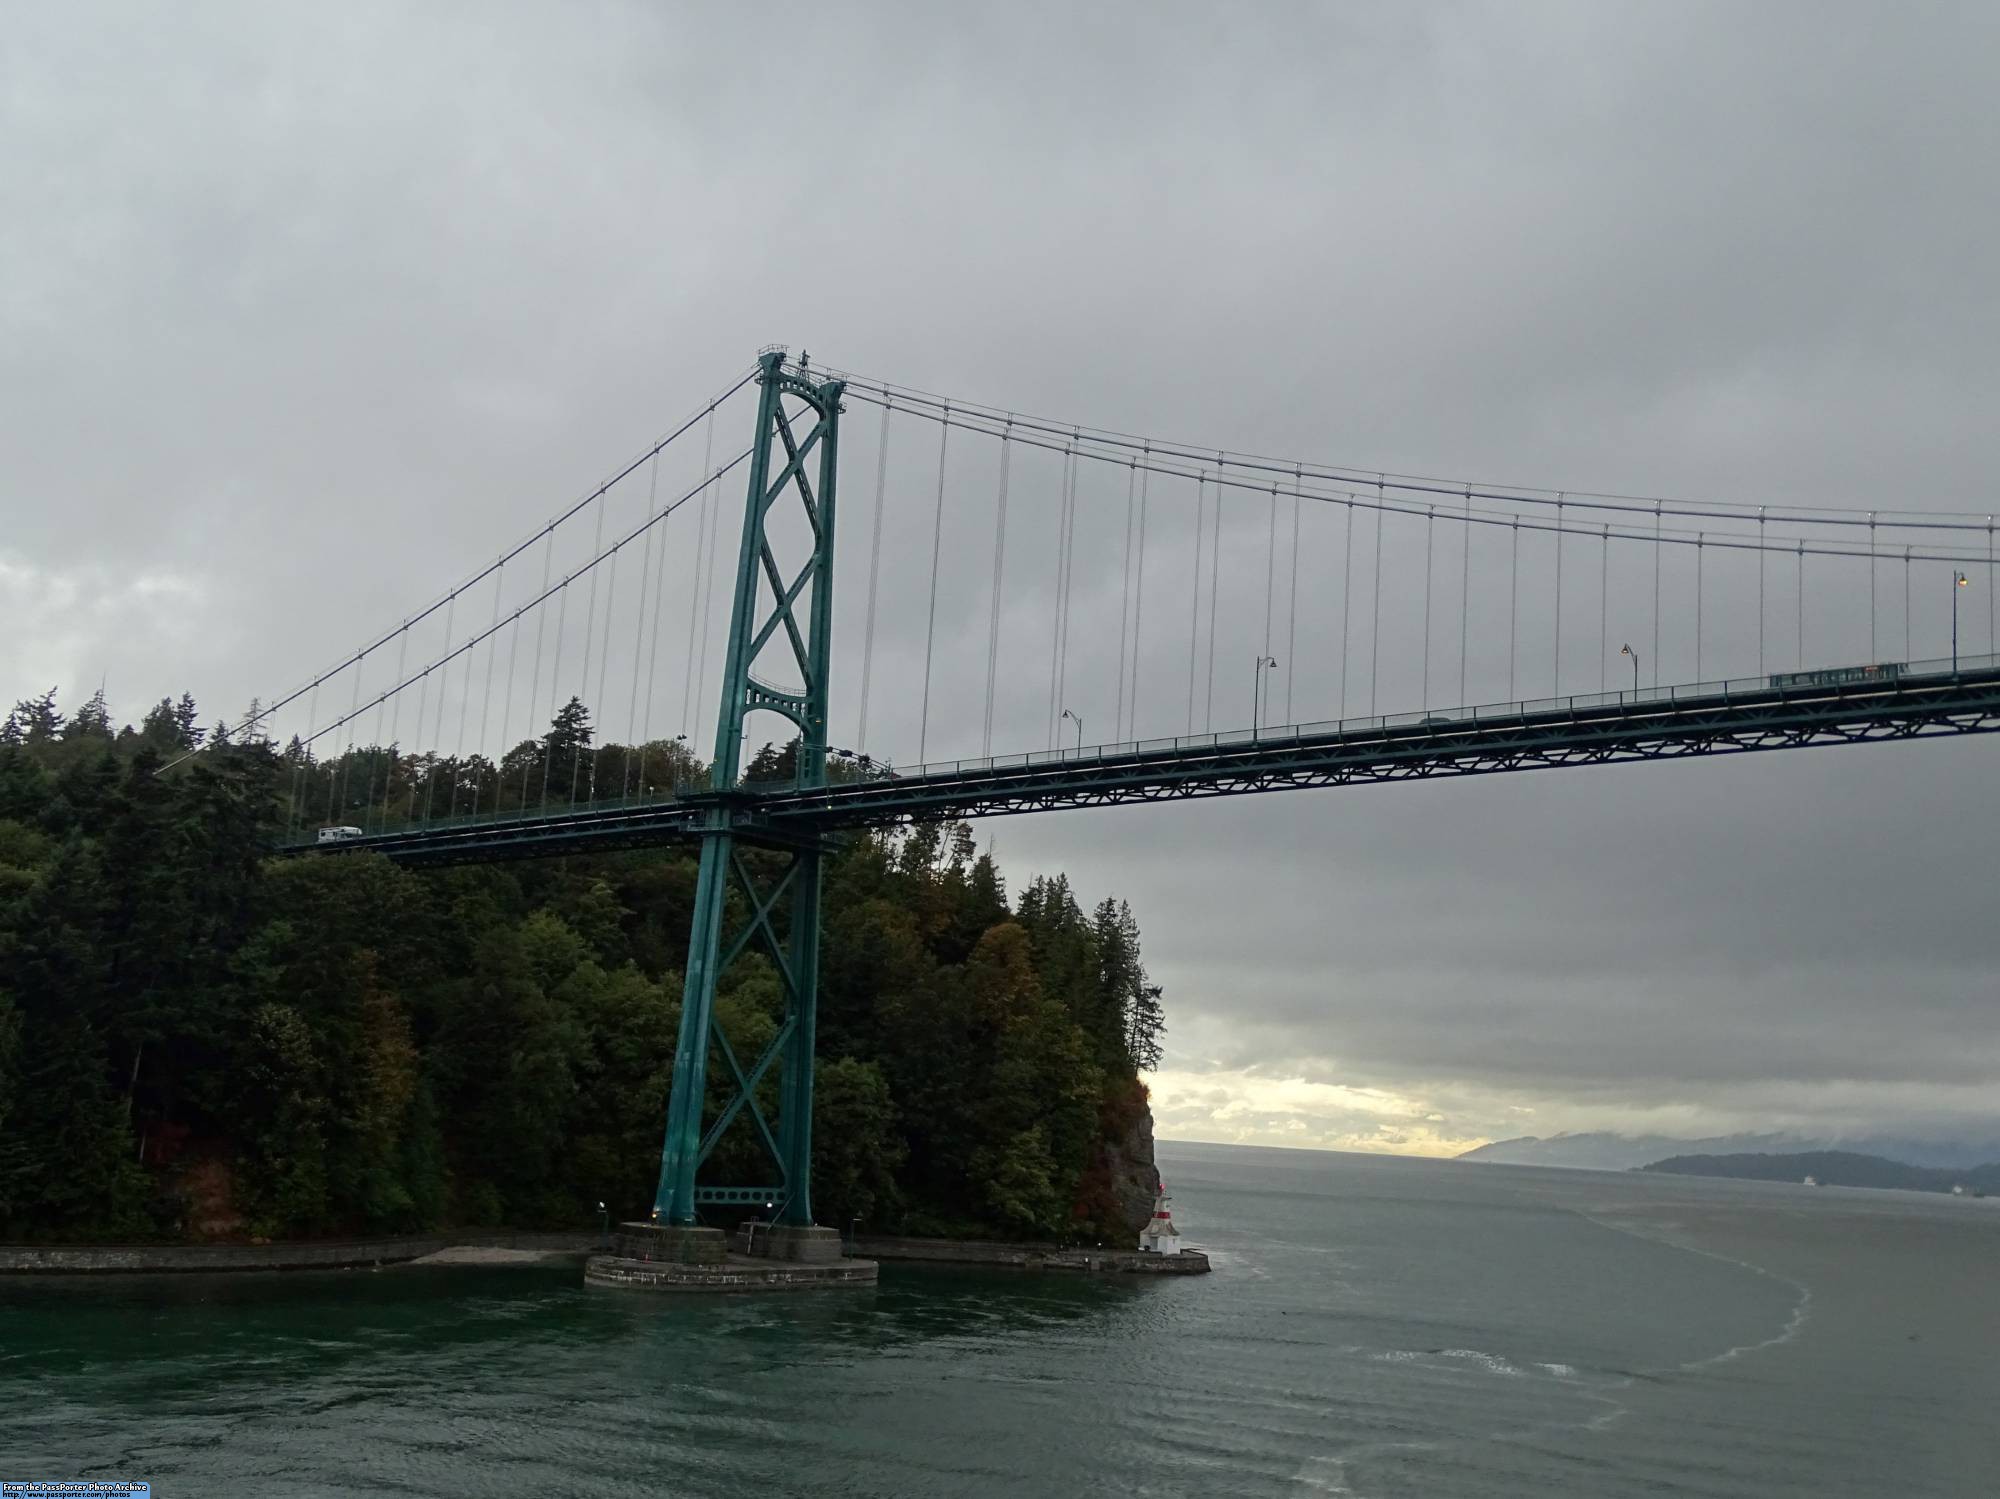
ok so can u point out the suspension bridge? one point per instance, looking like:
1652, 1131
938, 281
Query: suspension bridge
1241, 623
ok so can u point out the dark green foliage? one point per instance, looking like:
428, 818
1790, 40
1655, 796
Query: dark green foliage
196, 1040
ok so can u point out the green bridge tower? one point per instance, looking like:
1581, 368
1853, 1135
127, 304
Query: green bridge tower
783, 608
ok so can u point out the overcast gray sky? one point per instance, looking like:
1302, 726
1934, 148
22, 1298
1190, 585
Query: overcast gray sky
306, 312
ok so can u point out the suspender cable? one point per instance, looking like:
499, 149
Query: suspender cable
1346, 600
1292, 601
555, 689
1697, 606
1989, 585
1802, 604
375, 750
1139, 595
1214, 578
1430, 536
437, 732
1909, 653
437, 726
1270, 562
708, 591
1464, 593
1513, 600
999, 576
930, 628
1873, 655
1125, 600
1062, 558
589, 643
1375, 599
486, 696
1656, 593
633, 732
653, 647
690, 720
1603, 610
1760, 597
874, 573
301, 792
1555, 689
1068, 580
535, 681
604, 664
1194, 598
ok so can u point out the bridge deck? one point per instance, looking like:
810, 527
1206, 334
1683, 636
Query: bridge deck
1787, 711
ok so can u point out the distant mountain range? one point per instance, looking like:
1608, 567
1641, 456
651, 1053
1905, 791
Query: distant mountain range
1834, 1168
1602, 1151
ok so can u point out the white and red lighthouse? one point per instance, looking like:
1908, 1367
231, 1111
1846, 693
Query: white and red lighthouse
1159, 1236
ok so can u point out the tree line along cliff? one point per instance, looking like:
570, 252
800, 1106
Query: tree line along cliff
200, 1041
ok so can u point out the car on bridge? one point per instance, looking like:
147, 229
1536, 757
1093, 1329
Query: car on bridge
339, 834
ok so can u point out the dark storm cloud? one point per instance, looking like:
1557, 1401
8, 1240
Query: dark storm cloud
306, 316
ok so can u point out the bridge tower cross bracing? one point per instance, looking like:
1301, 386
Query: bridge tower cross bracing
787, 614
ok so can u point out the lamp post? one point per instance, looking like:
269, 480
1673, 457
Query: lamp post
1958, 581
1257, 689
604, 1226
1626, 650
1078, 721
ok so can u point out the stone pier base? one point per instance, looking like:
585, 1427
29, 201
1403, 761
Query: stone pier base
766, 1257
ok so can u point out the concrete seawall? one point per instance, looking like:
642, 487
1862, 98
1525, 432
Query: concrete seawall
1030, 1256
324, 1254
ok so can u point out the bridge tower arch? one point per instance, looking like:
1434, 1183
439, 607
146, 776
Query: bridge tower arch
783, 610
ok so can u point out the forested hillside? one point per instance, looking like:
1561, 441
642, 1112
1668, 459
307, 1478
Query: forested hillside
197, 1040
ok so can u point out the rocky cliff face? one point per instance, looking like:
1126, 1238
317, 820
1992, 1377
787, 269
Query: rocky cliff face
1134, 1176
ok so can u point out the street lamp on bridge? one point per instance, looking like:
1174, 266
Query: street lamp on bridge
1078, 721
1626, 650
1958, 581
1257, 689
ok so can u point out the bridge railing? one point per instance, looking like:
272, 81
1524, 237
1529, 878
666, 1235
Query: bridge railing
1722, 689
1782, 684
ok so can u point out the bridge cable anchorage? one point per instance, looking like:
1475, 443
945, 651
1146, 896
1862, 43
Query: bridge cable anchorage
1375, 598
972, 414
1068, 583
589, 645
1465, 593
361, 655
999, 578
1194, 602
930, 626
1214, 577
1292, 605
635, 735
1125, 596
874, 573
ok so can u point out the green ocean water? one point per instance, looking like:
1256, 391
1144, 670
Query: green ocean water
1373, 1327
